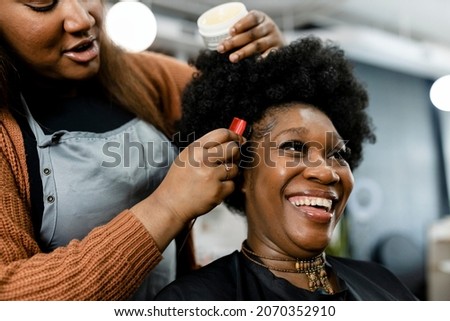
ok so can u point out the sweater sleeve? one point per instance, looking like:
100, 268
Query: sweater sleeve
108, 264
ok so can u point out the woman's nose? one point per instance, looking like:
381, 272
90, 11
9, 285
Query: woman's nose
320, 169
77, 16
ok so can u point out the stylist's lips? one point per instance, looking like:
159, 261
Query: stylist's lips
84, 51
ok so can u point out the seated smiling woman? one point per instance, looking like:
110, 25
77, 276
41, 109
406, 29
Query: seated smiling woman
307, 114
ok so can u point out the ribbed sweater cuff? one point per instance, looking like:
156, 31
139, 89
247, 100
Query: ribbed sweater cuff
128, 236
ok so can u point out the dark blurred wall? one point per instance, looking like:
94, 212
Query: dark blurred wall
398, 187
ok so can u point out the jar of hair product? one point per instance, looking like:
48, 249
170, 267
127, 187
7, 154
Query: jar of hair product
214, 25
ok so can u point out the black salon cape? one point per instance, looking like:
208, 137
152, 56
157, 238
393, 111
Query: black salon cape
233, 277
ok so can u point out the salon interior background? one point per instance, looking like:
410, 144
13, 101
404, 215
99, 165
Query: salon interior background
400, 205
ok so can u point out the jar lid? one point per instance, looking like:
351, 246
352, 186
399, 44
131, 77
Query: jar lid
220, 18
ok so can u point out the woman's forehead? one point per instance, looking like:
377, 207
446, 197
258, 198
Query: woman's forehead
299, 119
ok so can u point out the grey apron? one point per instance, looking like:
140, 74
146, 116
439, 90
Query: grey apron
88, 178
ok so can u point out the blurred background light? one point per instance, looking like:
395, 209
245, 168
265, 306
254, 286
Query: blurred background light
440, 93
131, 25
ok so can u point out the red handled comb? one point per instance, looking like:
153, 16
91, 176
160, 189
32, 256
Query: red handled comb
238, 125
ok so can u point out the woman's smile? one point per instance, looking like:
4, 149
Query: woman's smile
316, 209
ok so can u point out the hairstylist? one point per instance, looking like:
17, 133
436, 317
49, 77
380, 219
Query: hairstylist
84, 211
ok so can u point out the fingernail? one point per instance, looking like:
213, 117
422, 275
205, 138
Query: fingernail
221, 48
234, 58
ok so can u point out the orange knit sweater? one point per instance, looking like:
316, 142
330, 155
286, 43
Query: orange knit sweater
112, 260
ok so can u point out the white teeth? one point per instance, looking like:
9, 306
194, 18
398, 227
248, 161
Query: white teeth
314, 202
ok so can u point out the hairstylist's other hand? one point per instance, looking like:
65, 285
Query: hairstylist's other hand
254, 33
198, 180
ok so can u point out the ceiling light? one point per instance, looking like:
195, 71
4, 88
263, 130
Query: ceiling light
440, 93
131, 25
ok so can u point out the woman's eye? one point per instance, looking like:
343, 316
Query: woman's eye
42, 6
294, 147
341, 154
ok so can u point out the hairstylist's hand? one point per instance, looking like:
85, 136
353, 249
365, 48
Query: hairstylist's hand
254, 33
198, 180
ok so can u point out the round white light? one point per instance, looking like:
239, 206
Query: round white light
131, 25
440, 93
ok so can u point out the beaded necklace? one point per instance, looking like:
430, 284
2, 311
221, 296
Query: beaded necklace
314, 268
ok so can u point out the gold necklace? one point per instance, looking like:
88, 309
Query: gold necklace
314, 268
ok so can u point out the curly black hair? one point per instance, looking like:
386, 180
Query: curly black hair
308, 70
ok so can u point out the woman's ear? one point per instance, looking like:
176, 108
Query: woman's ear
246, 163
243, 181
